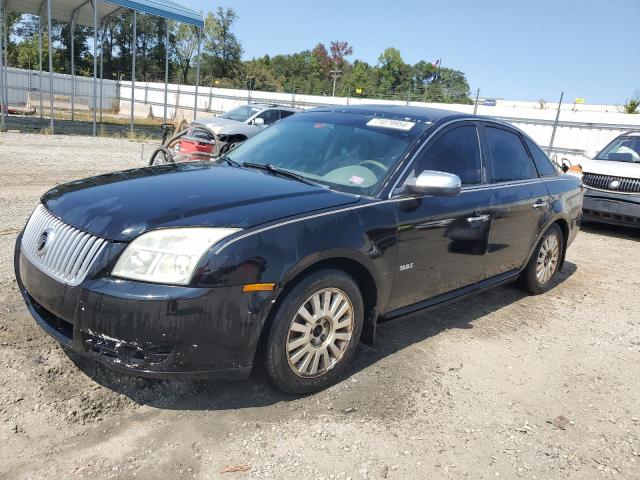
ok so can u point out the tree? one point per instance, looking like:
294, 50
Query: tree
222, 48
395, 75
185, 46
633, 104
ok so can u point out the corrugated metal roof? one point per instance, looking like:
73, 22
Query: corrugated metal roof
64, 9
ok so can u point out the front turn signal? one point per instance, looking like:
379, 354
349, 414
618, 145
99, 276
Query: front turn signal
576, 169
259, 287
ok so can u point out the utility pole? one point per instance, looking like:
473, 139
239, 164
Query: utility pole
555, 125
336, 73
475, 108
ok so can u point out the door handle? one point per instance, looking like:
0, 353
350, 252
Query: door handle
478, 218
540, 204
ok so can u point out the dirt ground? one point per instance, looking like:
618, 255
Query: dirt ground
501, 385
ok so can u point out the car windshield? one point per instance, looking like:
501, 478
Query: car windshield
351, 153
241, 114
622, 149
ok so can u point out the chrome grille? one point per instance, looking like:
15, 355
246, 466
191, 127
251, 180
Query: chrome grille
603, 182
61, 251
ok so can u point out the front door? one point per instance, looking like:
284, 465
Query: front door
442, 241
519, 199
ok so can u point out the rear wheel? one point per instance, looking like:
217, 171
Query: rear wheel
542, 269
315, 332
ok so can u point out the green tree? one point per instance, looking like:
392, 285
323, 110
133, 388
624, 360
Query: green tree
185, 47
222, 49
395, 75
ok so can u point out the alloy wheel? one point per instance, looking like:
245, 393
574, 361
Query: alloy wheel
548, 258
320, 332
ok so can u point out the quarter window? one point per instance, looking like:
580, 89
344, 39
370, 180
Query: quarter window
456, 151
543, 164
509, 159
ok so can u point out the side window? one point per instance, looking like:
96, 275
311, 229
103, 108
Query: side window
270, 116
285, 113
509, 159
543, 164
456, 151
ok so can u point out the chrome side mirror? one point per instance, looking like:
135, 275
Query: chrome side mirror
258, 121
431, 182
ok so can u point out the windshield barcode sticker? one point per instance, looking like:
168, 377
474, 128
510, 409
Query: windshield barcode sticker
391, 123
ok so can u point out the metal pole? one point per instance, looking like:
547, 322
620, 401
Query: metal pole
166, 68
40, 60
73, 67
555, 125
195, 106
104, 31
3, 104
6, 60
133, 64
50, 65
475, 108
95, 64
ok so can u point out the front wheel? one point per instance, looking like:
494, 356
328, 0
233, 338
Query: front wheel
542, 269
315, 332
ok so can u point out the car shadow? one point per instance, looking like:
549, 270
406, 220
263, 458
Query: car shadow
391, 337
617, 231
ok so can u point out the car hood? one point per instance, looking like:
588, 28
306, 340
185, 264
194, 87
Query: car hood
217, 124
608, 167
120, 206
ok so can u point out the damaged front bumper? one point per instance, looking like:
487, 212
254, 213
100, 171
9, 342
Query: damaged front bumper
147, 329
611, 207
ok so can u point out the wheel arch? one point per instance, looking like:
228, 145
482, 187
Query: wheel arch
363, 276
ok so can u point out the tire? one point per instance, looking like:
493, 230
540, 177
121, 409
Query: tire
540, 273
306, 355
161, 156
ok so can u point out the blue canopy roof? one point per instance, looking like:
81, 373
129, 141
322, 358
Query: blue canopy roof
64, 10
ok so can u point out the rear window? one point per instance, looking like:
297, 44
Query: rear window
543, 164
509, 159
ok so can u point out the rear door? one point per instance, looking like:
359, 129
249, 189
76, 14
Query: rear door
442, 241
519, 199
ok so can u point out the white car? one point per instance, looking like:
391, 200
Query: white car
612, 181
245, 121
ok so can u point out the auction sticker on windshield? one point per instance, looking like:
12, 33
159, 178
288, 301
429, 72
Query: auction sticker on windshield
391, 123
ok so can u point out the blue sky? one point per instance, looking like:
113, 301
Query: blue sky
509, 49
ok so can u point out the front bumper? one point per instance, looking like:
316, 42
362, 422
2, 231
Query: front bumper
146, 329
612, 208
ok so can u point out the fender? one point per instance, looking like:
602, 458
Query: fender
279, 253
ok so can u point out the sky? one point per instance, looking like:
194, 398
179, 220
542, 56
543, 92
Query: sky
514, 49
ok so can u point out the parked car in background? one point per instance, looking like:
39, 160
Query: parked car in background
612, 181
210, 137
291, 248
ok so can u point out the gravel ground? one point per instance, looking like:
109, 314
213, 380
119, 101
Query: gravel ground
501, 385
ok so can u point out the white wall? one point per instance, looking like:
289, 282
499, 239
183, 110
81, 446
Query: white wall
582, 127
20, 82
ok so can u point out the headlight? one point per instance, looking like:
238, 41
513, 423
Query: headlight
168, 255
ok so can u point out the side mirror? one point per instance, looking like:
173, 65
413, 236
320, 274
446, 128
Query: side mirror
258, 121
431, 182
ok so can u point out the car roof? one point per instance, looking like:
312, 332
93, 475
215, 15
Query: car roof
265, 106
422, 114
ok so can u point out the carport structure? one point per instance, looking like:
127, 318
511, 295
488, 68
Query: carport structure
96, 14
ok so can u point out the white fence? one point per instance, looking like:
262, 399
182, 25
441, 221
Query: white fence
581, 127
24, 83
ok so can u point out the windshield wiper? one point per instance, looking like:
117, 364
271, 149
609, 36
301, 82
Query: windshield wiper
279, 171
228, 159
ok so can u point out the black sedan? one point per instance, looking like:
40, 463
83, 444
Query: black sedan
290, 249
